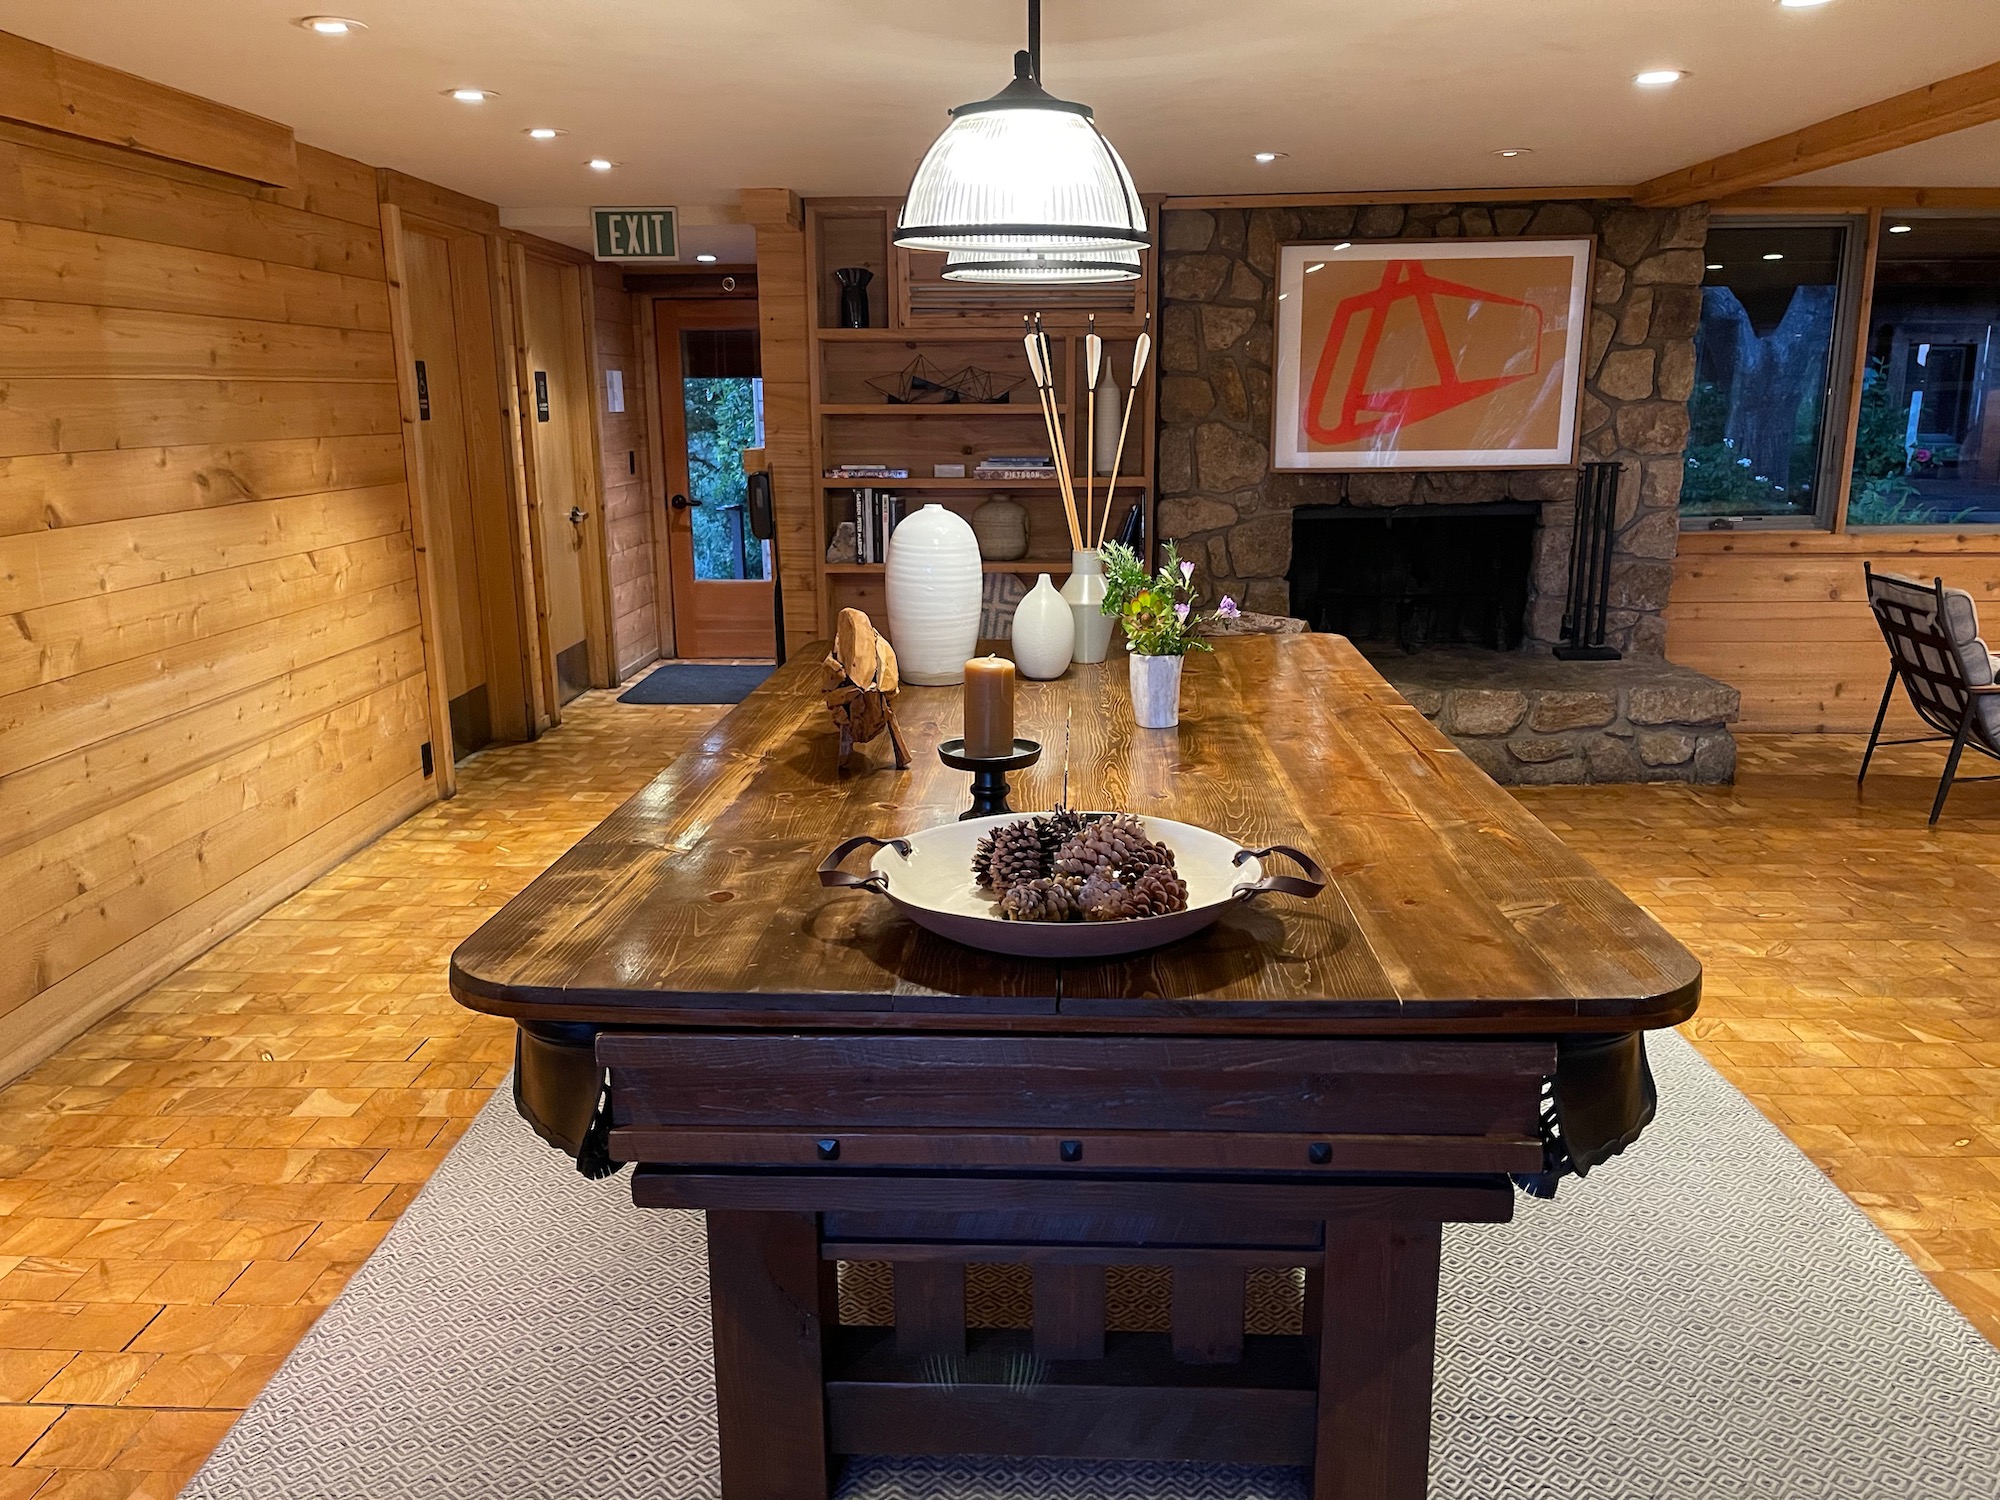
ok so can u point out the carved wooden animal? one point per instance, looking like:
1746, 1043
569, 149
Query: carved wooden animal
859, 682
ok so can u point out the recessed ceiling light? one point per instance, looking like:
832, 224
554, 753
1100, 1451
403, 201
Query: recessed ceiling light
1659, 78
1800, 4
707, 260
599, 164
471, 95
1267, 157
1510, 152
1774, 255
331, 25
1715, 265
1901, 228
543, 132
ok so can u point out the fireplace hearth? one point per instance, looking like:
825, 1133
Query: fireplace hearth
1417, 577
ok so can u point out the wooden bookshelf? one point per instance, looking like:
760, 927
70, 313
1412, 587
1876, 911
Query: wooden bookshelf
916, 314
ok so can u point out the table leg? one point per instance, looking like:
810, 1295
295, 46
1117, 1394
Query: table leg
1378, 1334
765, 1291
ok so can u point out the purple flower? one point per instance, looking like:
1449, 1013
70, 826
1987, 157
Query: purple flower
1187, 571
1227, 608
1181, 612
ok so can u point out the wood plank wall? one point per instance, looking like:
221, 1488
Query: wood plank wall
629, 490
211, 676
1783, 616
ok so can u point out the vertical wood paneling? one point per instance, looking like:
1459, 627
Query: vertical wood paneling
211, 676
630, 506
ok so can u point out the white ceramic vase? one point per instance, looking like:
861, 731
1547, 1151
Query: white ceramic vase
933, 581
1085, 592
1044, 633
1156, 691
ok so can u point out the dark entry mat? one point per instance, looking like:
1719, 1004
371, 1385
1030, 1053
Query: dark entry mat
696, 682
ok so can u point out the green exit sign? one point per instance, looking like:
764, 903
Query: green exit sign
636, 234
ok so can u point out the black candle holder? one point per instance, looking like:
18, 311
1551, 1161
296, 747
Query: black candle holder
989, 774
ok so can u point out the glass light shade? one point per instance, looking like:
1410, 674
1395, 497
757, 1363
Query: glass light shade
1042, 267
1021, 172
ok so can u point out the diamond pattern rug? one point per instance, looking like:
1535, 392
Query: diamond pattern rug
1708, 1318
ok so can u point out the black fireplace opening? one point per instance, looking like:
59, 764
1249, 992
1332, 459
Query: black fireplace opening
1415, 576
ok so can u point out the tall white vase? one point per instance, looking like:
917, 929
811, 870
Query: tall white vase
1156, 691
933, 580
1044, 633
1085, 592
1104, 441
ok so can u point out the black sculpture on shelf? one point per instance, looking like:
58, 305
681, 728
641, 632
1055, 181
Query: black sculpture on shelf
1590, 566
921, 383
853, 295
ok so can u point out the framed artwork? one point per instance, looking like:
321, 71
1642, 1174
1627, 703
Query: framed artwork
1430, 354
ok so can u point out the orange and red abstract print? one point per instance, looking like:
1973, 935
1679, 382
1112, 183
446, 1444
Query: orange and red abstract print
1430, 355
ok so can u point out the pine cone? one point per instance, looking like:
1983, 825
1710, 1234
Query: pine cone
1014, 854
1153, 892
1111, 846
1040, 901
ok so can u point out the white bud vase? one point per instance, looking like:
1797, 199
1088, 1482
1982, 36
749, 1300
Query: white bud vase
933, 580
1156, 691
1085, 592
1044, 633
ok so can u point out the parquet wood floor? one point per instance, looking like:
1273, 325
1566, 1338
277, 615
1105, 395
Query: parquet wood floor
183, 1188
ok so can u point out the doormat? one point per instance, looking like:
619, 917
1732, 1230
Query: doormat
1707, 1318
697, 682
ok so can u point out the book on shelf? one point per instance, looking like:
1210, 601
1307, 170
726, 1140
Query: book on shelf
876, 515
1016, 466
866, 471
1018, 472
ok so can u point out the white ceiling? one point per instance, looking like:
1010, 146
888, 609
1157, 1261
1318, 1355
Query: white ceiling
696, 98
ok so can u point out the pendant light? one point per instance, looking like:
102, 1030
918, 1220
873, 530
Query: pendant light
1022, 173
1029, 267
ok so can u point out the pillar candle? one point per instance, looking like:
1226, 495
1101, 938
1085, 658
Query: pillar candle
989, 707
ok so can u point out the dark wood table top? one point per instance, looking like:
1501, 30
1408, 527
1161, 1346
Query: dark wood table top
1451, 909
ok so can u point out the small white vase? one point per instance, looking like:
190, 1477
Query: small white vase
1156, 691
1104, 441
933, 580
1085, 592
1044, 633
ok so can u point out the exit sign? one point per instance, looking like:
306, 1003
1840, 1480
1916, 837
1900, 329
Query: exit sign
636, 234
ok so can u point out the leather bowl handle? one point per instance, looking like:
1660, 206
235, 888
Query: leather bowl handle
1311, 885
831, 875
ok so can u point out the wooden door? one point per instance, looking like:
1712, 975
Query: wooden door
712, 398
557, 423
469, 517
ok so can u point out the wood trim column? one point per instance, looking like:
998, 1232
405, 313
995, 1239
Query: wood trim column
1858, 369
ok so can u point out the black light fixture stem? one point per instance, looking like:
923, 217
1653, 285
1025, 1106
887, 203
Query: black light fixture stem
1035, 40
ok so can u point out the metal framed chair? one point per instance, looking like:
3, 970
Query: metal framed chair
1936, 652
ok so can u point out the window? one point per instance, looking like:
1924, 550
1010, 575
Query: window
1927, 446
1767, 365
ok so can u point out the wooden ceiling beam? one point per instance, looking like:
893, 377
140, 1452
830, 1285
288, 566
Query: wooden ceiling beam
1941, 108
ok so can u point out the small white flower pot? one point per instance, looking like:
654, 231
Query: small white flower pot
1156, 691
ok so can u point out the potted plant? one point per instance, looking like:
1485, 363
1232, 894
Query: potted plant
1157, 611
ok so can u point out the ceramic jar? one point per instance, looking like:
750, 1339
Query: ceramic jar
933, 582
1044, 633
1001, 525
1156, 690
1085, 593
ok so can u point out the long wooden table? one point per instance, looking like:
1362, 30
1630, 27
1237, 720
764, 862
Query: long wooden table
1319, 1085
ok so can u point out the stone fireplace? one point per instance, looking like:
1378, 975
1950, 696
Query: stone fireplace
1404, 561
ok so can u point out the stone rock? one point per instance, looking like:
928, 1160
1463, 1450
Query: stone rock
1180, 340
1612, 760
1257, 344
1269, 228
1571, 708
1656, 535
1227, 459
1380, 221
1670, 268
1228, 383
1416, 230
1628, 234
1185, 398
1223, 326
1193, 278
1176, 460
1562, 218
1687, 228
1245, 285
1427, 701
1478, 222
1327, 223
1395, 487
1627, 375
1218, 558
1258, 384
1229, 230
1602, 445
1485, 711
1676, 311
1677, 372
1610, 283
1186, 230
1637, 319
1447, 227
1545, 618
1188, 515
1491, 757
1263, 547
1538, 751
1568, 771
1602, 326
1683, 703
1267, 596
1639, 584
1660, 483
1653, 427
1715, 759
1508, 222
1648, 637
1665, 748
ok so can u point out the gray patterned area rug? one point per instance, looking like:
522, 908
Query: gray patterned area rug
1708, 1318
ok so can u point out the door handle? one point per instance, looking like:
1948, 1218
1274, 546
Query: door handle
681, 502
578, 515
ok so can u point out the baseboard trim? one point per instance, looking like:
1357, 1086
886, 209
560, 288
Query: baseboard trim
65, 1010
